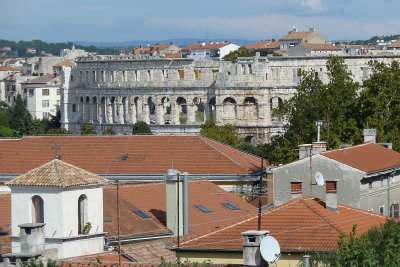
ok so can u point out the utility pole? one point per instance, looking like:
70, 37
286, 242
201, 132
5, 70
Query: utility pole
119, 228
177, 176
311, 170
259, 195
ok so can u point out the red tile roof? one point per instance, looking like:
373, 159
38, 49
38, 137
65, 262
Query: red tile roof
146, 154
367, 157
263, 45
395, 44
7, 68
302, 224
104, 257
151, 198
296, 36
158, 47
43, 79
326, 47
151, 251
65, 63
57, 173
5, 220
213, 46
174, 55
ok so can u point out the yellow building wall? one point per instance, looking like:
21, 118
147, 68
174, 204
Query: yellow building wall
286, 260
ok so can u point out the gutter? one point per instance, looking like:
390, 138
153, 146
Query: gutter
380, 172
134, 240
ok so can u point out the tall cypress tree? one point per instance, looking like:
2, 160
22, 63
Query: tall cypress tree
20, 118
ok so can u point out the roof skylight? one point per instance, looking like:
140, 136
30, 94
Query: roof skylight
203, 209
142, 214
230, 206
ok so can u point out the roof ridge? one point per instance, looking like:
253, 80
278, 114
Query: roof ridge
58, 172
208, 143
346, 148
319, 215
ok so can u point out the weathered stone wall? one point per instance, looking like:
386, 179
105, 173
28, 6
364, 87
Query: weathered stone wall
175, 96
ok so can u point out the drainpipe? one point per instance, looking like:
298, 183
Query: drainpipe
185, 203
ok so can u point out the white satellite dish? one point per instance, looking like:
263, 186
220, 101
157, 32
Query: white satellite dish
270, 249
319, 179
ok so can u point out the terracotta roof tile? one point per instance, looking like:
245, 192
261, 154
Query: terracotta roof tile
367, 157
142, 196
326, 47
7, 68
65, 63
296, 36
395, 44
263, 45
146, 154
213, 46
43, 79
104, 257
299, 225
56, 173
173, 55
151, 251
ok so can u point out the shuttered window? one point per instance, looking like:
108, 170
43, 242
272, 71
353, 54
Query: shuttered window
331, 187
181, 74
296, 187
197, 74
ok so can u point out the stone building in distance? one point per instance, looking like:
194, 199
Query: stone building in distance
175, 96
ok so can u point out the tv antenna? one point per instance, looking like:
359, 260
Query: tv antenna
270, 249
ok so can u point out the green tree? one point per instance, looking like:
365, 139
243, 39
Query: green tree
58, 131
20, 118
225, 134
380, 102
377, 247
141, 127
109, 131
335, 102
241, 52
87, 128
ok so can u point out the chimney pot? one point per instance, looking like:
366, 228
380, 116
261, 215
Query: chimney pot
369, 135
251, 248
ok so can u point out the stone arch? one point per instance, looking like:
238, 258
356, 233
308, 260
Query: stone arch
102, 110
199, 109
82, 213
229, 108
37, 209
181, 105
125, 106
80, 108
151, 109
94, 109
251, 139
137, 112
211, 109
114, 109
86, 109
250, 108
166, 110
274, 103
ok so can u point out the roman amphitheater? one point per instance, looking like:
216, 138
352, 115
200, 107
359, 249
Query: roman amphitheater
175, 96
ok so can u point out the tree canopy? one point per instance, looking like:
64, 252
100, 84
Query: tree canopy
225, 134
141, 127
241, 52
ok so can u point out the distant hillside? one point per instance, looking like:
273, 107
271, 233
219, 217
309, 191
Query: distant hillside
182, 42
373, 40
18, 49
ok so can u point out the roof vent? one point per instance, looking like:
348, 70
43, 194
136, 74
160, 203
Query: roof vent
124, 157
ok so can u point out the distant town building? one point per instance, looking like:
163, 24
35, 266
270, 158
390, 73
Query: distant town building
73, 53
306, 49
159, 50
213, 51
31, 50
294, 38
264, 45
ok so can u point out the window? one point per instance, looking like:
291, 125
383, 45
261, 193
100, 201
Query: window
45, 91
142, 214
296, 187
197, 74
214, 72
394, 210
230, 206
331, 187
45, 103
58, 91
381, 210
181, 74
203, 209
31, 92
58, 102
37, 210
73, 107
105, 219
46, 115
82, 213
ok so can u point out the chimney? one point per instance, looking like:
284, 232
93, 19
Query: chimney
174, 192
171, 43
26, 59
40, 59
251, 248
318, 147
32, 237
331, 196
369, 135
304, 150
347, 43
273, 40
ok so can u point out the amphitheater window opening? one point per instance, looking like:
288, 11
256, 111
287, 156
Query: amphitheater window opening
152, 106
212, 115
251, 139
197, 74
275, 102
182, 109
250, 107
125, 109
114, 110
199, 109
229, 108
102, 110
166, 105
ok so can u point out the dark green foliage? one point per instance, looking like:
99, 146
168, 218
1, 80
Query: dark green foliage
241, 52
373, 40
33, 263
109, 131
18, 49
58, 131
141, 127
4, 119
20, 118
250, 148
55, 121
87, 128
7, 132
225, 134
380, 246
336, 103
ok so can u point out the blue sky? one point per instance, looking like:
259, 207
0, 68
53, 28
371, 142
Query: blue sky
126, 20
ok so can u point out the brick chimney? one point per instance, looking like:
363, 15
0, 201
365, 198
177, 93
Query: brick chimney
331, 195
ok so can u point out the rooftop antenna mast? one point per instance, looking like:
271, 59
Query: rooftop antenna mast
259, 194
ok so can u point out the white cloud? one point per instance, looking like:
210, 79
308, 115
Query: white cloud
315, 5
